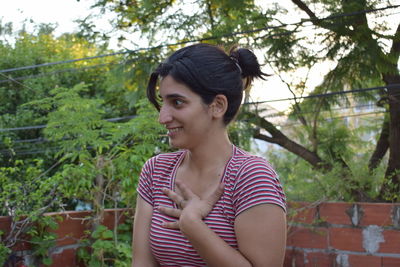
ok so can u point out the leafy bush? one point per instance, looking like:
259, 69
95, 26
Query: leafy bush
302, 183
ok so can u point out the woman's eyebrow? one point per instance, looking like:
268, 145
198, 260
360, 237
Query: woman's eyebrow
169, 96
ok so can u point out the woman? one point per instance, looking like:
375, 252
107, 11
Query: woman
210, 203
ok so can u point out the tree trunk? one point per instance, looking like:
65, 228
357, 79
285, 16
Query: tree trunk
382, 146
391, 186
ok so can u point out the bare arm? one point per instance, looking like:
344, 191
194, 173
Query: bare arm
261, 234
142, 256
212, 249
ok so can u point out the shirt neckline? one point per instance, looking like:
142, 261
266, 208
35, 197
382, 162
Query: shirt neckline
182, 156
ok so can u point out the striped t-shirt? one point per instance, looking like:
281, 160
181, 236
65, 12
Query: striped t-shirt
249, 180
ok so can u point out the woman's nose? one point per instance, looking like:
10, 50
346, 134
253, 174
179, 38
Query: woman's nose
164, 116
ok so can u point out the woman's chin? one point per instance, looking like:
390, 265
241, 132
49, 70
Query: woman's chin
177, 145
173, 144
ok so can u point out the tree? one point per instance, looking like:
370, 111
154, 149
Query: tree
70, 132
26, 84
347, 34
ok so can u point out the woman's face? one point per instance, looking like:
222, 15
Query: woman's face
184, 114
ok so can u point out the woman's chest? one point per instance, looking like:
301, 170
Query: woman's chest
170, 246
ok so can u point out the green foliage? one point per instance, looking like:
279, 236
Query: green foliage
4, 251
240, 134
19, 87
346, 150
105, 248
334, 139
392, 194
41, 239
25, 189
84, 157
303, 183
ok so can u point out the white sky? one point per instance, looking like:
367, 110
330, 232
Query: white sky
63, 12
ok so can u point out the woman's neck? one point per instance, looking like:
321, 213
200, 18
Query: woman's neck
212, 153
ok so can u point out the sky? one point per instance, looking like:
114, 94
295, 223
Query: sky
63, 12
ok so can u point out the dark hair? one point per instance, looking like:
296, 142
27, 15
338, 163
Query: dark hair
208, 71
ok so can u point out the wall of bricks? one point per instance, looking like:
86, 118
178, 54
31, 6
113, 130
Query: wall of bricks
72, 227
323, 234
343, 234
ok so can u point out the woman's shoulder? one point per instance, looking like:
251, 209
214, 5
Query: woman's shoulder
245, 162
245, 158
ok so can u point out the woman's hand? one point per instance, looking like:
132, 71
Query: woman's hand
189, 204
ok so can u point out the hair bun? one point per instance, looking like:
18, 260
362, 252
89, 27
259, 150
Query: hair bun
248, 63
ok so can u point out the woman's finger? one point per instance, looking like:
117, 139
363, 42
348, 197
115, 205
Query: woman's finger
170, 211
171, 225
173, 196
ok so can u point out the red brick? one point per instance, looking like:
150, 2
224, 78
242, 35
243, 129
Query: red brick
73, 225
390, 262
335, 212
315, 237
315, 259
364, 261
392, 242
21, 246
71, 228
301, 212
346, 239
376, 214
5, 224
112, 216
293, 258
67, 258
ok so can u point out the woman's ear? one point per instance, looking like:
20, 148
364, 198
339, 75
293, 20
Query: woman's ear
219, 106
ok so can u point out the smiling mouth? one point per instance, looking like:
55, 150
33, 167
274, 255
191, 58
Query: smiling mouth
173, 130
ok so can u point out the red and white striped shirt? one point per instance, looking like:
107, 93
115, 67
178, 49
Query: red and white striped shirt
249, 180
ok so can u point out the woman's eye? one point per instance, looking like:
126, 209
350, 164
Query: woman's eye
178, 102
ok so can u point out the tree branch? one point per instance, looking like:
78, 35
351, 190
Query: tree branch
305, 8
395, 49
277, 137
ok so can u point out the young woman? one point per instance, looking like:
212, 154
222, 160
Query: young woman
210, 203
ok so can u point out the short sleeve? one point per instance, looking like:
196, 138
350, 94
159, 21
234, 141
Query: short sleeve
257, 183
145, 186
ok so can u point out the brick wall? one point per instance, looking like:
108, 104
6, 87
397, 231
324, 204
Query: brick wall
72, 227
343, 234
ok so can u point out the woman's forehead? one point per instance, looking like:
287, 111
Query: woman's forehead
169, 87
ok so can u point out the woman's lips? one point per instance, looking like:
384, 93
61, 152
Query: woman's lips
172, 131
